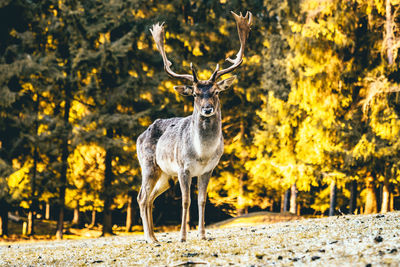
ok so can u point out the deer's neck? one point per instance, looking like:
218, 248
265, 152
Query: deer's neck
206, 132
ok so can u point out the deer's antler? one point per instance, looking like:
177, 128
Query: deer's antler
158, 35
243, 27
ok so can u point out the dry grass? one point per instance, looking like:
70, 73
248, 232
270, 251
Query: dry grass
335, 241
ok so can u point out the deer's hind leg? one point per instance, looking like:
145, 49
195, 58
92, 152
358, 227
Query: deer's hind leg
150, 177
160, 187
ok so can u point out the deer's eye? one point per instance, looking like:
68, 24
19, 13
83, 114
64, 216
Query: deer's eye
194, 94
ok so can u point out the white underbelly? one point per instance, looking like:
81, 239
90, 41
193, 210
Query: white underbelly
203, 160
171, 168
199, 168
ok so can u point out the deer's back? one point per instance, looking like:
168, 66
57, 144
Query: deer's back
147, 142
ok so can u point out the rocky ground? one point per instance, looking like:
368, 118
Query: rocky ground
362, 240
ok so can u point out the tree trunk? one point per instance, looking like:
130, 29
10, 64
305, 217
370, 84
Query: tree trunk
3, 218
240, 199
389, 32
64, 162
93, 222
385, 207
285, 201
34, 202
391, 203
76, 220
293, 199
332, 202
129, 212
31, 223
107, 190
47, 212
353, 197
371, 205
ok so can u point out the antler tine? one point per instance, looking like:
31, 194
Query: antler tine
214, 75
194, 73
243, 27
158, 35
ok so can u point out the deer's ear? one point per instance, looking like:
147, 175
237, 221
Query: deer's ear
184, 89
225, 84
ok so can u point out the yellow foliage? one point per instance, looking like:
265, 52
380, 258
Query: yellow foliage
133, 73
138, 13
142, 44
28, 87
364, 148
86, 168
144, 121
104, 38
196, 50
222, 29
78, 111
147, 96
19, 181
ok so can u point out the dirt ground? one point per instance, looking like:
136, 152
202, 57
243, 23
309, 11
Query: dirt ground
362, 240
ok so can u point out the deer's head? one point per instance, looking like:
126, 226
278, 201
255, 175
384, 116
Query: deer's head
206, 92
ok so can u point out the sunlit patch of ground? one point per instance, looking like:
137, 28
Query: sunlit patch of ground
45, 230
256, 218
334, 241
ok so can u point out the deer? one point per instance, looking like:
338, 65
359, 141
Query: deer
178, 149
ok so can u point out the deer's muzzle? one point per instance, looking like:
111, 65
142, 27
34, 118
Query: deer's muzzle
207, 111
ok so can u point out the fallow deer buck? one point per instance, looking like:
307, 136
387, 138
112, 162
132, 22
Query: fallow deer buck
185, 147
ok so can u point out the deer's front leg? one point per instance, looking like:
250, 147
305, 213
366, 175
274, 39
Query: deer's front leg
185, 180
202, 198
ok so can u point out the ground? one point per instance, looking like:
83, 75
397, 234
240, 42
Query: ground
362, 240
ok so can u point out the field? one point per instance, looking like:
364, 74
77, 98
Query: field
335, 241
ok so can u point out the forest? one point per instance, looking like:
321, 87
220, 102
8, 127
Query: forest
311, 126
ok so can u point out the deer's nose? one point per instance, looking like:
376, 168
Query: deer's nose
208, 110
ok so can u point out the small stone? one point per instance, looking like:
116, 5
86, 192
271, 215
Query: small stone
280, 257
215, 255
380, 216
378, 239
368, 265
394, 250
190, 254
259, 256
313, 258
322, 250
